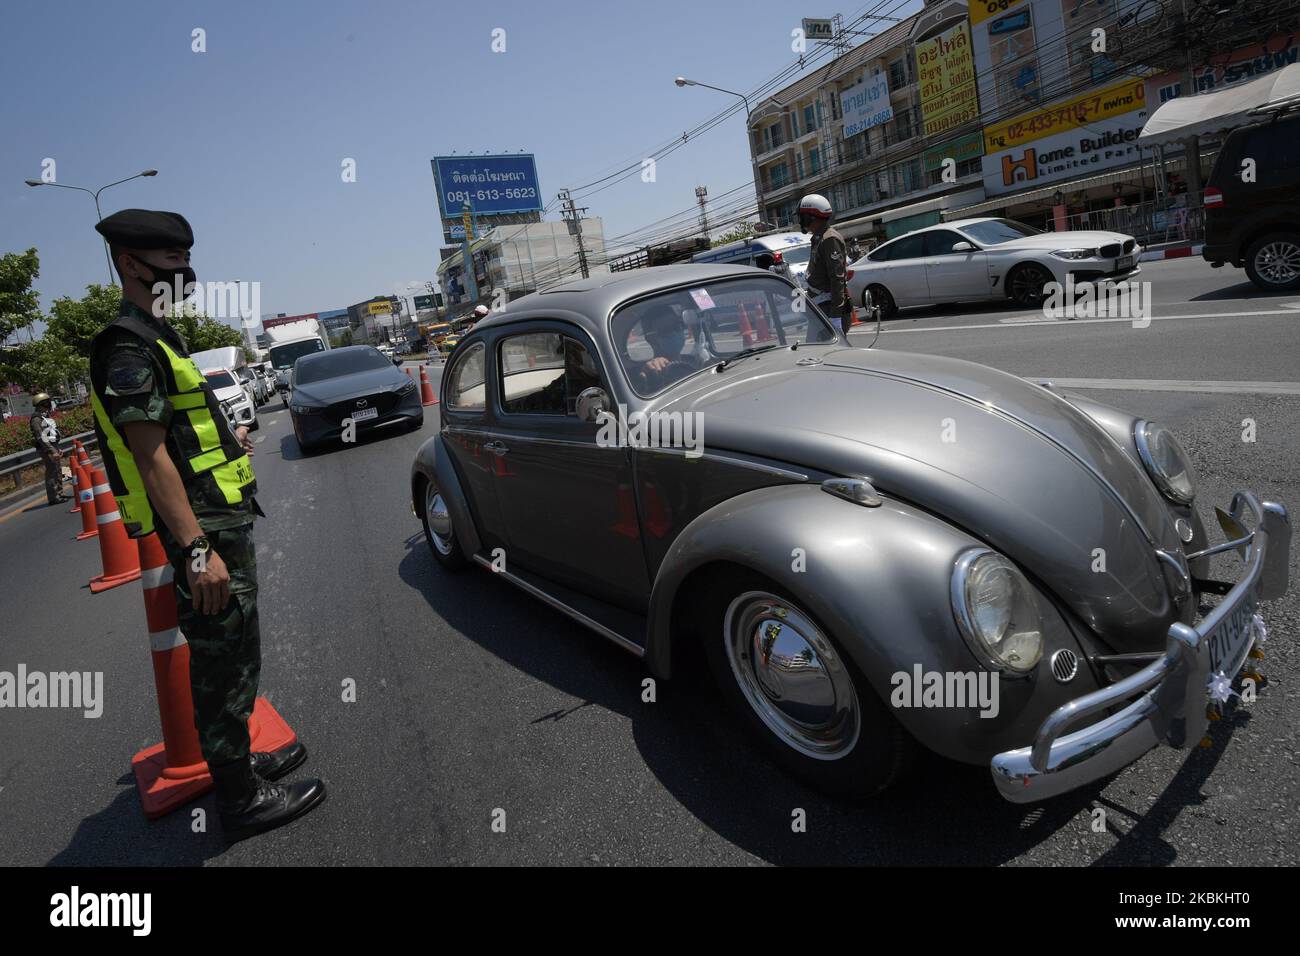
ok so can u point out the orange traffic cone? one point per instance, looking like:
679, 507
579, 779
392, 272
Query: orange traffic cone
86, 492
426, 390
76, 488
172, 773
746, 330
120, 558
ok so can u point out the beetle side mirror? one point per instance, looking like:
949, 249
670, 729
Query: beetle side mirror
962, 247
592, 402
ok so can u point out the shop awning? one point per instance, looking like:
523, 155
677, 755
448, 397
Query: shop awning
1128, 175
1187, 116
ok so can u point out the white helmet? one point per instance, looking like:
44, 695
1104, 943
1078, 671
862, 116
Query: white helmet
815, 204
480, 311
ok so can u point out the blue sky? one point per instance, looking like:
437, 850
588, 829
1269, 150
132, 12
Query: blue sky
249, 136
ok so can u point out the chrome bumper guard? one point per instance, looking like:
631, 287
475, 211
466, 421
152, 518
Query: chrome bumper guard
1172, 708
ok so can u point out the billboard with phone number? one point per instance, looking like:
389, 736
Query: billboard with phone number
490, 184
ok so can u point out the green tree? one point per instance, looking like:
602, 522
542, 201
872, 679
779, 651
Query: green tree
44, 364
202, 332
742, 231
75, 322
19, 304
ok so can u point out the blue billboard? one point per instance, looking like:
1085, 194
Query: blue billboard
491, 184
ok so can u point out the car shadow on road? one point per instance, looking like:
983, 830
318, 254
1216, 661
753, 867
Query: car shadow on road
1242, 290
945, 814
290, 450
119, 835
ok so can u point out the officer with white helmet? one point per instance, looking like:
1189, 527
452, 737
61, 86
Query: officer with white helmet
45, 439
827, 279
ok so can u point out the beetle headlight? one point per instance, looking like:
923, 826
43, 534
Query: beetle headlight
996, 611
1165, 461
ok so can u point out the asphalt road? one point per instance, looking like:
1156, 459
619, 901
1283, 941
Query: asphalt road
472, 697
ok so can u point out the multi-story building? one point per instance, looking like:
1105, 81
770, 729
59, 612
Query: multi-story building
888, 132
520, 259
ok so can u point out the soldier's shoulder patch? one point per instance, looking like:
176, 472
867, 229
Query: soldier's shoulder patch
129, 373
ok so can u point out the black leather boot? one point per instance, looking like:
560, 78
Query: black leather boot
274, 764
249, 805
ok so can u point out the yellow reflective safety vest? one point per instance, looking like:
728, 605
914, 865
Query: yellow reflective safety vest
199, 438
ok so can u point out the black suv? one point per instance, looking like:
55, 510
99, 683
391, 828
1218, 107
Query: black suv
1257, 224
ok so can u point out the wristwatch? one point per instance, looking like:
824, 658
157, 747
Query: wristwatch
198, 546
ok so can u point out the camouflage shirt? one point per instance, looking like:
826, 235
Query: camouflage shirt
136, 391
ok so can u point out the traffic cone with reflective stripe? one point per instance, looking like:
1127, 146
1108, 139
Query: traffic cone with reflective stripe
86, 493
174, 772
426, 390
76, 488
120, 558
82, 455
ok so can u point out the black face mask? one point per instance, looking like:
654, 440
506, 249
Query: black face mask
170, 276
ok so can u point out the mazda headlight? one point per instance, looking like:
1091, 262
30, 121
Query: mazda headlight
996, 611
304, 409
1165, 461
406, 387
1075, 253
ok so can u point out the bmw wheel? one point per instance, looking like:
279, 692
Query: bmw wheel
439, 532
789, 681
1273, 262
878, 295
1027, 284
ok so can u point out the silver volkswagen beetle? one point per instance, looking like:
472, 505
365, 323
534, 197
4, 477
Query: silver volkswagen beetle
874, 550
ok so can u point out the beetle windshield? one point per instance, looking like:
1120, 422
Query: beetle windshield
666, 337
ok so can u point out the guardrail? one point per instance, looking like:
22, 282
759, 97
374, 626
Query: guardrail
26, 459
1149, 222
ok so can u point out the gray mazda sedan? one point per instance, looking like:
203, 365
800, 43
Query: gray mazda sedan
343, 392
874, 550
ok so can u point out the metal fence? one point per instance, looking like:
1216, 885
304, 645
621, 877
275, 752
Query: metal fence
1151, 222
19, 460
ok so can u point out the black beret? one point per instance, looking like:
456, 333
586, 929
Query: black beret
147, 229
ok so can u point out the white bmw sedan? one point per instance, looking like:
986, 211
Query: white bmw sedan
972, 259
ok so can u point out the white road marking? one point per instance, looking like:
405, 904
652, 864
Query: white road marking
1015, 321
259, 439
1174, 385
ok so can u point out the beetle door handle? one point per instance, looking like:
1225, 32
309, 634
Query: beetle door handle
496, 447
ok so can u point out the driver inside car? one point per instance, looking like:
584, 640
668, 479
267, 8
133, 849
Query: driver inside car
665, 333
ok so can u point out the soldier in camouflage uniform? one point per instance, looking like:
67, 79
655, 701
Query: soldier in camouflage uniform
45, 439
177, 468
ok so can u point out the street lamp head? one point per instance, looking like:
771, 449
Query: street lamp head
150, 172
683, 81
33, 182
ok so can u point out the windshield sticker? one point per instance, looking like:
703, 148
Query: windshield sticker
703, 299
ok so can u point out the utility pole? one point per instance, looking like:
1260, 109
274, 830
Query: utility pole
702, 197
572, 215
1191, 145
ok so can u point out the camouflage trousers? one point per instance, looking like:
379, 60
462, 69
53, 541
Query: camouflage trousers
225, 648
53, 476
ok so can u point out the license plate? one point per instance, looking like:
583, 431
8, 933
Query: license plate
1229, 641
361, 414
1123, 262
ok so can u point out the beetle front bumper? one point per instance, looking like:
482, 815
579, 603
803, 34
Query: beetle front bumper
1172, 708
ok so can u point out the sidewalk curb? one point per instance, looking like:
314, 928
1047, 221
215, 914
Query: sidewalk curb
1177, 252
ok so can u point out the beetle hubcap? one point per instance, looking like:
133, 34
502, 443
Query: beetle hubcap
1278, 262
438, 519
791, 675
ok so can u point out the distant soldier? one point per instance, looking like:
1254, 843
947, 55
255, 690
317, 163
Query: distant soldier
827, 267
171, 454
45, 439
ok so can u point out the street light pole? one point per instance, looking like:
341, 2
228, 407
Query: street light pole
94, 194
758, 179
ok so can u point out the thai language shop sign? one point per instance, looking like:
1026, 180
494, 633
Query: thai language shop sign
866, 104
945, 69
490, 184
